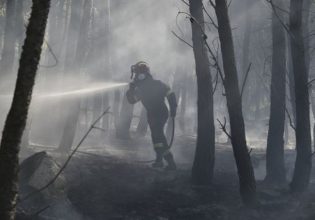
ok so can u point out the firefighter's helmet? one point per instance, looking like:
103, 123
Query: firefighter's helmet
141, 67
141, 70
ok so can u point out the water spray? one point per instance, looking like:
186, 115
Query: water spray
90, 89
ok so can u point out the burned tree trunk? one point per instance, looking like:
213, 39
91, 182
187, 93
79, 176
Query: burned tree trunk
202, 171
234, 104
275, 143
307, 4
303, 163
17, 116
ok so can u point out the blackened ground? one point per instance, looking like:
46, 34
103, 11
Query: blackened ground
113, 182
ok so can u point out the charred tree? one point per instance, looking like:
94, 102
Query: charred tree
275, 144
306, 7
234, 104
17, 116
303, 163
311, 75
8, 52
202, 170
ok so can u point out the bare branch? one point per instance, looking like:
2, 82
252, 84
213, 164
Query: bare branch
181, 39
309, 84
53, 55
192, 19
274, 9
209, 16
186, 3
212, 3
245, 79
223, 128
68, 159
216, 82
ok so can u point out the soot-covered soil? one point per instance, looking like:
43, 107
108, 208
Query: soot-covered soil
113, 181
123, 187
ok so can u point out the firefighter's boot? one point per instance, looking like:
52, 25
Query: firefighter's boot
170, 162
158, 163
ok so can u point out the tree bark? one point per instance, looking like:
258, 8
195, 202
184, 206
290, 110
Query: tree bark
234, 104
17, 116
303, 163
203, 166
307, 4
275, 144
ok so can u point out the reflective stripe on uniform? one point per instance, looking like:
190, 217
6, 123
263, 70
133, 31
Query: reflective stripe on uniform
158, 145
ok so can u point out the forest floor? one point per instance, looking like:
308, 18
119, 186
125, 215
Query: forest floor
113, 181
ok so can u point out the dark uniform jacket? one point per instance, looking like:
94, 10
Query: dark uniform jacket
152, 94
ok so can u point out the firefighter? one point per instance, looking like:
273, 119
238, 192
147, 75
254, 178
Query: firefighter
152, 94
